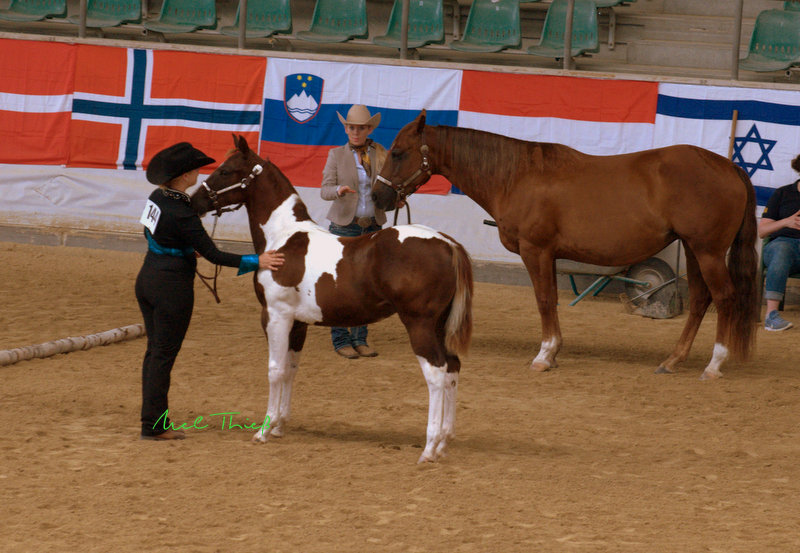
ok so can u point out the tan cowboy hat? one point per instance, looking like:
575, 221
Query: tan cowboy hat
359, 115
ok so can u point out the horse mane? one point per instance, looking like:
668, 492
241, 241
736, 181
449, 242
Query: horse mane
489, 154
281, 181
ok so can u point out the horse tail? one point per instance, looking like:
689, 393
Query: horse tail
743, 268
458, 327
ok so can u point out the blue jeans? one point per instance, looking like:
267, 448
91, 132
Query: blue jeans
782, 258
357, 335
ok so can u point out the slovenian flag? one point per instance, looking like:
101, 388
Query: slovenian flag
766, 137
595, 116
130, 103
35, 101
301, 99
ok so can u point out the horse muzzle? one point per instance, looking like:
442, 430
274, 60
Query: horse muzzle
200, 202
384, 195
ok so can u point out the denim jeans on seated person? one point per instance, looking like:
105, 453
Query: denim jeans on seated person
781, 258
357, 335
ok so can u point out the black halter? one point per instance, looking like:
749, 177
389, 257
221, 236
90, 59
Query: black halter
424, 168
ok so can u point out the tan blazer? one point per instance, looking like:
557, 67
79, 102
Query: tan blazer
340, 169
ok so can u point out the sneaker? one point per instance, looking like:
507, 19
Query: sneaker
775, 322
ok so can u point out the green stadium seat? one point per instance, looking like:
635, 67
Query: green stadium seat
492, 26
425, 24
337, 21
612, 3
608, 6
34, 10
792, 5
110, 13
184, 16
584, 30
775, 44
264, 19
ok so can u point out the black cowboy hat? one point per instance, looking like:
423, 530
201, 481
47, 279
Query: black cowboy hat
174, 161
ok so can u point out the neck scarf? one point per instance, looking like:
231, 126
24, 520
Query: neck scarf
363, 155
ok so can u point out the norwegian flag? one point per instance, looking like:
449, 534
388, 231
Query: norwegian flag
131, 103
35, 101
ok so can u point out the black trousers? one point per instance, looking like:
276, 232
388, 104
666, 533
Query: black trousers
166, 299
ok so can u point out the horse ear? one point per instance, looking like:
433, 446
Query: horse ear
242, 145
421, 121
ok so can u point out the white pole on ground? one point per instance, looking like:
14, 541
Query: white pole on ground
67, 345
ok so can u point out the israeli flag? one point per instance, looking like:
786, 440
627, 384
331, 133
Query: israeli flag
766, 134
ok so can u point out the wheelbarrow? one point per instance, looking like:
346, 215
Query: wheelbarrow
642, 281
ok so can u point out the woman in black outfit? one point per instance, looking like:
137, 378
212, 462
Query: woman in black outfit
165, 284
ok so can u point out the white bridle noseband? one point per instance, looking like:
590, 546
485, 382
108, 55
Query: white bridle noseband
214, 194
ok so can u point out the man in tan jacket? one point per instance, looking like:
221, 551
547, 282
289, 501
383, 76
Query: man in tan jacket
347, 181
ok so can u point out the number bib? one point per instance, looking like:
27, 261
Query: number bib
150, 216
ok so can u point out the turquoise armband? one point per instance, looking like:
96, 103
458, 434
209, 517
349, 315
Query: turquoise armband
248, 264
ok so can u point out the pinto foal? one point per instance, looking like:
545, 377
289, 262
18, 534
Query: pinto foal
420, 274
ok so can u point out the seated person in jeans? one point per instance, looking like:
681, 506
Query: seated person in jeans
781, 222
347, 181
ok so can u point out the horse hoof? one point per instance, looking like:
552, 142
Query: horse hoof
708, 375
259, 438
664, 370
425, 459
540, 367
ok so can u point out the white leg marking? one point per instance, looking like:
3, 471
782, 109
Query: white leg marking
278, 336
719, 356
435, 377
545, 356
449, 412
286, 395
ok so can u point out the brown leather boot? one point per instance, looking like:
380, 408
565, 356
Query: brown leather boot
348, 352
366, 351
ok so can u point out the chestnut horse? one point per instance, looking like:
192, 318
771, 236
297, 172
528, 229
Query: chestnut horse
552, 202
422, 275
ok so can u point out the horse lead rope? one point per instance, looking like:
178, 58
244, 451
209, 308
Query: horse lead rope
399, 189
204, 279
397, 212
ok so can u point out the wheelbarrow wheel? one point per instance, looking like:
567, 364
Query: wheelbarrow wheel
650, 291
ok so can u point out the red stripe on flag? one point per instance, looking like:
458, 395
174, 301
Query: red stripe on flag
94, 144
575, 98
208, 77
215, 144
101, 70
437, 185
30, 130
37, 138
31, 67
303, 165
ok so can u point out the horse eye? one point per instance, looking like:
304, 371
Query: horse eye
397, 156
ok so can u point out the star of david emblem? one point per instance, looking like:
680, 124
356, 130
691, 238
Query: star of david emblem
753, 145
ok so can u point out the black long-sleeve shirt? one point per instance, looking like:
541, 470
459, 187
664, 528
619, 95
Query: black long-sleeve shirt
178, 227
